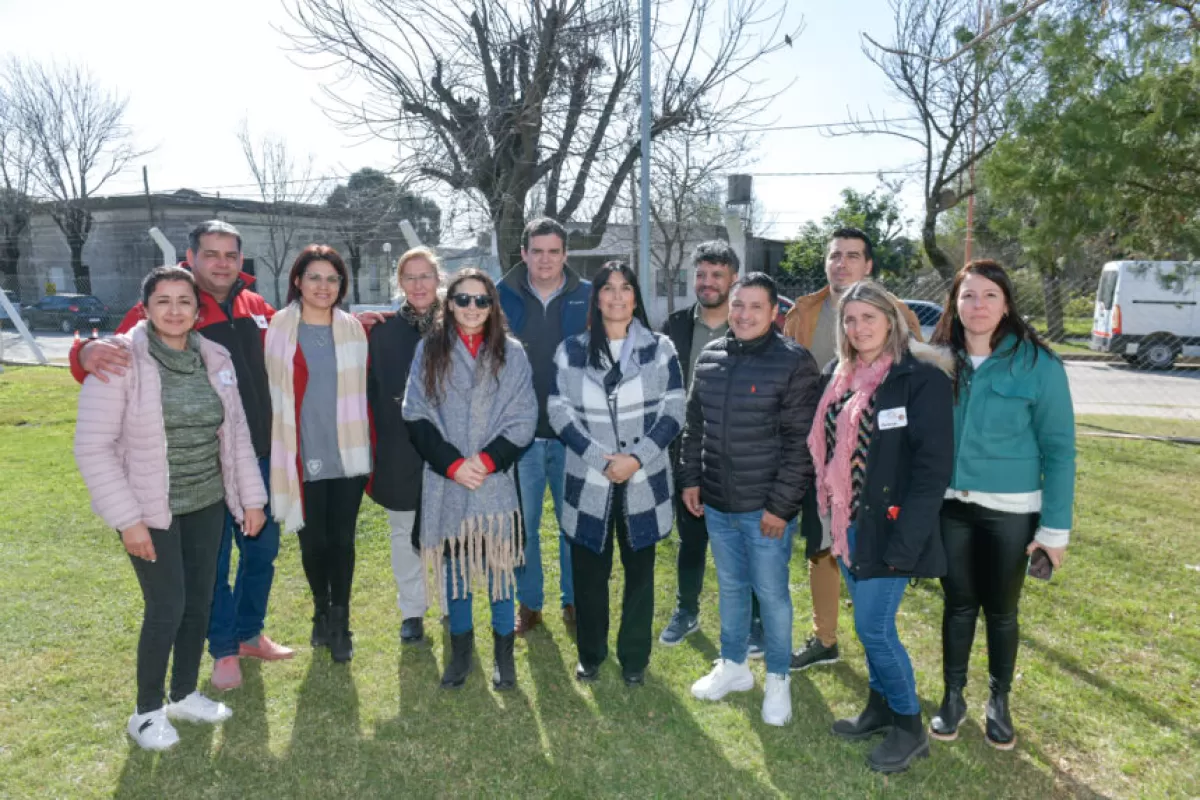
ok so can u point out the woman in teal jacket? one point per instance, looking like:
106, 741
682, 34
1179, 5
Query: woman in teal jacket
1013, 485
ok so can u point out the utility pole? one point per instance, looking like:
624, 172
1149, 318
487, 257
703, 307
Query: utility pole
644, 233
149, 199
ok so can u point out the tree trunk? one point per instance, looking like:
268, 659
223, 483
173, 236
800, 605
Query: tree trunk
937, 256
1052, 292
10, 255
83, 276
509, 219
355, 266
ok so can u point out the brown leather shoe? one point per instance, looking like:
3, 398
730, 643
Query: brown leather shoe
527, 619
569, 616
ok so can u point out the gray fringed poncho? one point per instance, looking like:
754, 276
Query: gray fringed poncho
479, 529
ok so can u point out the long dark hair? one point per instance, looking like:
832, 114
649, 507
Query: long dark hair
318, 252
599, 356
950, 331
439, 342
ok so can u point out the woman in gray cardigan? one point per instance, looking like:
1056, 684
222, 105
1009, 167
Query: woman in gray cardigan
617, 404
471, 410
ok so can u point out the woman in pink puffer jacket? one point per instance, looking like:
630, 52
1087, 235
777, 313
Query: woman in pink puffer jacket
164, 448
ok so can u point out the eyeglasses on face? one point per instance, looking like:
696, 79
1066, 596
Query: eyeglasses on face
317, 279
464, 300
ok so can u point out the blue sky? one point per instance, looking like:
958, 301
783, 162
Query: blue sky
192, 72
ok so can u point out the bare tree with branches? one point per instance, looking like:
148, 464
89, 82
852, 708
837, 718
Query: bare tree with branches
76, 131
287, 189
494, 97
16, 176
685, 194
958, 99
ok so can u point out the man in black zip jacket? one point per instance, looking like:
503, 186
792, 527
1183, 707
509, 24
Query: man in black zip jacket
715, 265
745, 467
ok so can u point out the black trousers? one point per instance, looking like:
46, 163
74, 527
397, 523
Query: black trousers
327, 538
986, 563
591, 571
691, 561
177, 588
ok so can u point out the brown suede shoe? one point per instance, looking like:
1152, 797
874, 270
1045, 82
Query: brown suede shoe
527, 619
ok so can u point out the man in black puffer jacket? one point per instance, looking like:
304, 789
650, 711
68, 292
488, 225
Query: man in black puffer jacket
745, 466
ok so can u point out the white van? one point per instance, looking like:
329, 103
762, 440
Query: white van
1146, 311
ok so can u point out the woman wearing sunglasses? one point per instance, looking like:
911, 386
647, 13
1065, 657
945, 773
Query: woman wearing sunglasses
617, 404
471, 410
317, 369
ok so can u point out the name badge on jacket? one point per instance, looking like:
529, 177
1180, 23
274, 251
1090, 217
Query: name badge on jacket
893, 418
227, 377
260, 320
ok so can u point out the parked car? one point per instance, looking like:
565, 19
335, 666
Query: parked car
68, 313
5, 322
928, 314
1146, 312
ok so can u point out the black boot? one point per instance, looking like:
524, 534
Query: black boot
341, 648
320, 621
999, 728
875, 718
462, 646
944, 725
905, 742
504, 674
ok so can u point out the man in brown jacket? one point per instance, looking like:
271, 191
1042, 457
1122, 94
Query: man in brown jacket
813, 323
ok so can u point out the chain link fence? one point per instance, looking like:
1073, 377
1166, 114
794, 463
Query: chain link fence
1130, 337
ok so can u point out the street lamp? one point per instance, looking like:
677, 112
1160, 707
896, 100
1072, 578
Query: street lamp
387, 263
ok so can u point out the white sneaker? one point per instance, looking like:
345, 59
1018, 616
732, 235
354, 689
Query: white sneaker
727, 676
152, 730
777, 701
198, 708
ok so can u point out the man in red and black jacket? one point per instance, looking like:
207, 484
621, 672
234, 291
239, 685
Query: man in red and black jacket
236, 318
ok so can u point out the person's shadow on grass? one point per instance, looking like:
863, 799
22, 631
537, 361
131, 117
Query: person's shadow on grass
326, 754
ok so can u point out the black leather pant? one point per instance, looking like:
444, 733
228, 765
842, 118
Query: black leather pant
986, 562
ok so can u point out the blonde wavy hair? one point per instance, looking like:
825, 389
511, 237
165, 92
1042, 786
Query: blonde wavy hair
873, 294
419, 252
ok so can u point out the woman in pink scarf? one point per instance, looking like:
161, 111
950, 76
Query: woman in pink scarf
882, 443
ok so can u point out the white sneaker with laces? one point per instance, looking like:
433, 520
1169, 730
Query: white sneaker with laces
198, 708
152, 730
727, 676
777, 700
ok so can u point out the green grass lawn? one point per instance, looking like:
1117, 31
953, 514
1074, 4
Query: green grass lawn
1107, 699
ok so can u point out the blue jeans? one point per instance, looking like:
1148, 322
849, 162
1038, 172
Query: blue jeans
746, 560
544, 462
876, 602
461, 617
238, 613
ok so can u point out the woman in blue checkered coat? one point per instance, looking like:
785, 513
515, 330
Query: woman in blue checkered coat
617, 403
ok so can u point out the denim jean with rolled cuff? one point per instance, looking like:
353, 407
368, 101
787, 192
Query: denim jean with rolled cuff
876, 603
239, 611
544, 462
747, 560
461, 615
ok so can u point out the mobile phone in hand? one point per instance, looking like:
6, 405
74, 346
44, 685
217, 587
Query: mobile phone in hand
1040, 566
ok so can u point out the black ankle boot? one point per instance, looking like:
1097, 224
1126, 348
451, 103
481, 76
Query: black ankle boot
999, 728
875, 718
905, 741
944, 725
320, 624
341, 648
462, 646
504, 674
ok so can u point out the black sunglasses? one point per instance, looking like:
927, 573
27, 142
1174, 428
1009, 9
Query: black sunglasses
481, 300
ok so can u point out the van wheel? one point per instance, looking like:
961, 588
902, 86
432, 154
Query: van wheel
1158, 352
65, 326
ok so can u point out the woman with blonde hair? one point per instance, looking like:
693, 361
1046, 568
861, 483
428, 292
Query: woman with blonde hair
882, 443
396, 481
